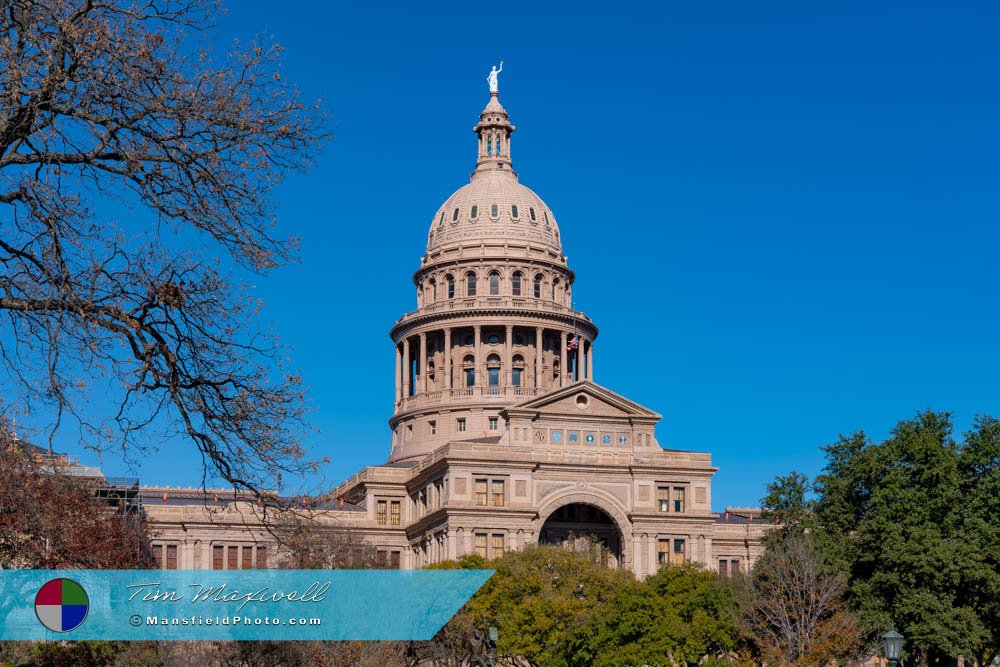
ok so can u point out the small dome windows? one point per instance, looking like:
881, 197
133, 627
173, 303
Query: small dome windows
531, 212
515, 284
470, 284
513, 211
441, 219
494, 283
546, 214
454, 216
475, 212
494, 211
493, 339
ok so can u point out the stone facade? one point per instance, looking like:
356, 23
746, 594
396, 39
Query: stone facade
500, 436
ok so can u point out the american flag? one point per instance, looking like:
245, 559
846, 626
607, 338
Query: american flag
573, 342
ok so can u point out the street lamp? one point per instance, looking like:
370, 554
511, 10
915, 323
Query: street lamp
892, 641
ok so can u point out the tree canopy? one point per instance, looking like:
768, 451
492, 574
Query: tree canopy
911, 523
132, 159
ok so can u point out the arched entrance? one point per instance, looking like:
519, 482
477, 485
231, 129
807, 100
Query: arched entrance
584, 528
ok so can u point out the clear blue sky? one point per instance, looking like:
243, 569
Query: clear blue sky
783, 216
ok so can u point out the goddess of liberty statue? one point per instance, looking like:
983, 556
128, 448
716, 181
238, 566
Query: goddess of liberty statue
493, 78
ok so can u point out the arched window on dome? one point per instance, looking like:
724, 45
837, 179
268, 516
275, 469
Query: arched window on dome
555, 288
493, 370
538, 286
434, 290
475, 212
470, 284
450, 280
513, 211
494, 283
517, 370
515, 283
494, 211
469, 369
454, 215
531, 212
441, 219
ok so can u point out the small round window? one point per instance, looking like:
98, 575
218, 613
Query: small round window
582, 401
454, 216
468, 340
474, 213
513, 211
493, 339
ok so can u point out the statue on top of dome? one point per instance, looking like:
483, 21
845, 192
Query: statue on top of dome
493, 78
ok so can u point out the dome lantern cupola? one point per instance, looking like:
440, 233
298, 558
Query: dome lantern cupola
494, 130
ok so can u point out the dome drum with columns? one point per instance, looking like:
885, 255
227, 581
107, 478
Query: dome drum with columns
495, 322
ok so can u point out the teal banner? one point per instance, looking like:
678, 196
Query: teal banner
232, 604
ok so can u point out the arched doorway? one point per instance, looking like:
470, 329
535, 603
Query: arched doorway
584, 528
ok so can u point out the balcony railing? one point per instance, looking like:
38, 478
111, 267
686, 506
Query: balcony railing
439, 396
465, 303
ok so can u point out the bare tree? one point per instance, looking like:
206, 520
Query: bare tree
792, 605
113, 108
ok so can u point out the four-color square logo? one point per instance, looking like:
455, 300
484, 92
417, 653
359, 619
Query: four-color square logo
61, 605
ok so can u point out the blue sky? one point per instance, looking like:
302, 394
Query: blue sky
783, 216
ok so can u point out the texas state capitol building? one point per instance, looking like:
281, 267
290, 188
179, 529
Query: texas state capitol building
500, 436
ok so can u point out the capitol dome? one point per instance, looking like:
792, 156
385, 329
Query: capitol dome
493, 206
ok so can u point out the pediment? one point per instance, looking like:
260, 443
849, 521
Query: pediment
584, 399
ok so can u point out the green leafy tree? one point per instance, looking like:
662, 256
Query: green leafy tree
911, 523
786, 501
681, 615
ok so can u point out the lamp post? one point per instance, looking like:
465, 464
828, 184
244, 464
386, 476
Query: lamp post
892, 642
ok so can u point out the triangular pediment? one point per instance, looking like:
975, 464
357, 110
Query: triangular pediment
584, 398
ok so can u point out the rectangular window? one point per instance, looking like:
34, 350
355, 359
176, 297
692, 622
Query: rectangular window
724, 567
481, 545
246, 562
394, 513
434, 427
261, 558
663, 498
481, 492
381, 512
461, 426
678, 498
515, 377
494, 423
394, 560
498, 493
172, 557
158, 555
734, 566
662, 552
217, 556
498, 545
233, 558
679, 553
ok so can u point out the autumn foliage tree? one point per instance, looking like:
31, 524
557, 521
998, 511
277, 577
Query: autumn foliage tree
115, 110
50, 520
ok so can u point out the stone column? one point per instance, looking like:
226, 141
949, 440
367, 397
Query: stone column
590, 361
447, 358
538, 357
508, 356
479, 357
422, 365
563, 361
399, 370
406, 367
